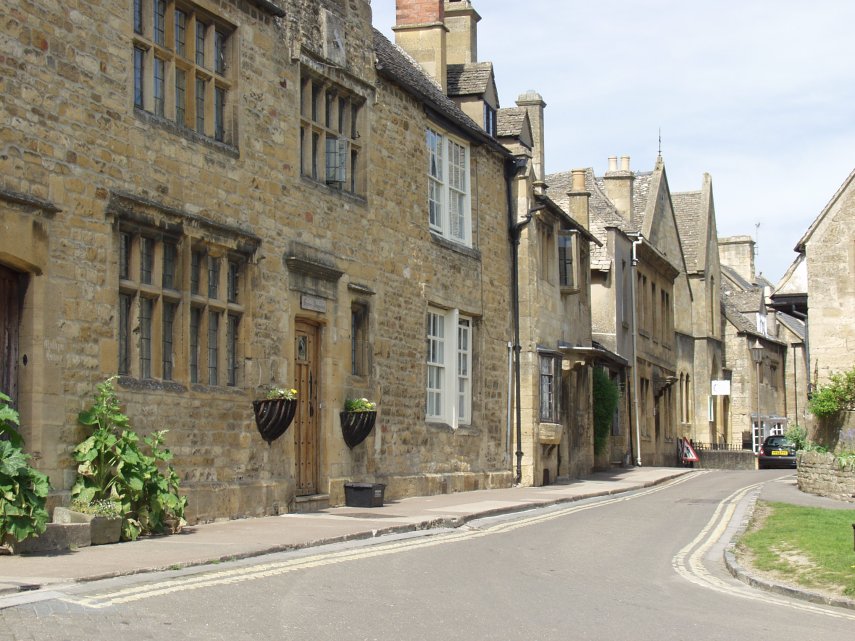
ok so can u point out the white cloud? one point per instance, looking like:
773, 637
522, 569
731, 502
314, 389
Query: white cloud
758, 93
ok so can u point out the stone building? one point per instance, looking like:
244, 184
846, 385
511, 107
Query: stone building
827, 254
817, 291
702, 415
210, 199
551, 417
638, 275
758, 404
553, 290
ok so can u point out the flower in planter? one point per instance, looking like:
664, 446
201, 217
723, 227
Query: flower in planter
281, 393
359, 405
107, 508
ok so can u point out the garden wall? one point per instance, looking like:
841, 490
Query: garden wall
821, 474
726, 460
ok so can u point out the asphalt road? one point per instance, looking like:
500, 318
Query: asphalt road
645, 565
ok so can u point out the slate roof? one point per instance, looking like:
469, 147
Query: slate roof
793, 324
510, 122
640, 195
736, 318
469, 79
395, 64
601, 212
691, 225
748, 302
733, 276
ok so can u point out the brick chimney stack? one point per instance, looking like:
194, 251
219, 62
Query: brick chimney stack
420, 31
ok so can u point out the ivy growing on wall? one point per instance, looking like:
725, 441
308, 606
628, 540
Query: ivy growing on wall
606, 396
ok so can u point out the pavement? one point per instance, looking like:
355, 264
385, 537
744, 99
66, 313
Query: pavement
244, 538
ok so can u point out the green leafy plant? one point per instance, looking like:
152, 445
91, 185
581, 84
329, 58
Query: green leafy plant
606, 397
287, 394
113, 467
109, 509
23, 489
359, 405
798, 436
836, 396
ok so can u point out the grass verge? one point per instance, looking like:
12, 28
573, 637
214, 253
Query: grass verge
806, 546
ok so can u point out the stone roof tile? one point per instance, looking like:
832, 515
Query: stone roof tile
469, 79
691, 225
394, 63
510, 122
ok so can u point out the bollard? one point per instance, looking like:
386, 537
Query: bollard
853, 536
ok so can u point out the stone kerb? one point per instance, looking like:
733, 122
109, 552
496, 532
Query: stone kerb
823, 475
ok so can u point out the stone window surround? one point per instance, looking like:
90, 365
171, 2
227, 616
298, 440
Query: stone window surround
440, 179
348, 129
139, 217
568, 266
446, 391
219, 124
549, 387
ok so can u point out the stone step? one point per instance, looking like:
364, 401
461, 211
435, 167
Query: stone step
311, 503
58, 537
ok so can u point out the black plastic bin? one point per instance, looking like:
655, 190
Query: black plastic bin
364, 494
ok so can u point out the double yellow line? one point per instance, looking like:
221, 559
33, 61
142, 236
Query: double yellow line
278, 568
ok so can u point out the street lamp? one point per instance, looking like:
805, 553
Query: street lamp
757, 356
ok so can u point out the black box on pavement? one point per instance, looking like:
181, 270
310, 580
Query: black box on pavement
364, 494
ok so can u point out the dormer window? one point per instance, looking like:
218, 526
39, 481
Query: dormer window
489, 120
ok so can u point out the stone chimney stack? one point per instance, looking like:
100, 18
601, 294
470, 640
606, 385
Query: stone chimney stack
420, 31
461, 20
737, 252
533, 103
579, 198
618, 185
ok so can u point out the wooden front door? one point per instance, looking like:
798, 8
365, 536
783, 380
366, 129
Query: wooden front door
306, 343
10, 319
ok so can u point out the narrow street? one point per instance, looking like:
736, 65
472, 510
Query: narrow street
643, 565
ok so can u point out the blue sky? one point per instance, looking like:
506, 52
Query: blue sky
760, 94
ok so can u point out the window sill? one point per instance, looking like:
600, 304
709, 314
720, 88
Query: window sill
463, 430
174, 128
343, 193
151, 385
442, 241
566, 291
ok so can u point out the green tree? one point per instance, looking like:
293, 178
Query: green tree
836, 396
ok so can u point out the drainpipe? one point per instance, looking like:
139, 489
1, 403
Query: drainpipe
639, 238
805, 318
508, 446
514, 232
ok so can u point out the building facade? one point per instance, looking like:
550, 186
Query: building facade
241, 195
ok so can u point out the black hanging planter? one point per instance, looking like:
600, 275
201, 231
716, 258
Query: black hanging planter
355, 426
273, 416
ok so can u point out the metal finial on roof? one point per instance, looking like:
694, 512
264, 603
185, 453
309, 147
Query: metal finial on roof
660, 142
